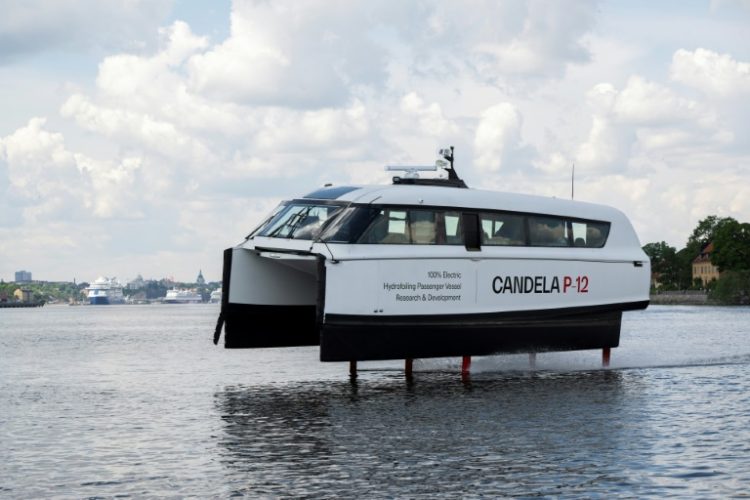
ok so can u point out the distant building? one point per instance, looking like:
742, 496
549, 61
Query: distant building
23, 276
655, 279
702, 267
137, 283
199, 280
22, 295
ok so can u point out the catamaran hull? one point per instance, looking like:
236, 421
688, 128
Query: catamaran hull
356, 338
303, 319
344, 338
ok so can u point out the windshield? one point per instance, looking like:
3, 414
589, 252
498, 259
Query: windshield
299, 221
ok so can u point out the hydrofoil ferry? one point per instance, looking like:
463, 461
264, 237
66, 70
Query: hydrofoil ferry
427, 267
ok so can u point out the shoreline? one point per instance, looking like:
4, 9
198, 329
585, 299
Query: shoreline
13, 305
685, 298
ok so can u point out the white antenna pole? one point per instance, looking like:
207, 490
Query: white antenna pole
573, 182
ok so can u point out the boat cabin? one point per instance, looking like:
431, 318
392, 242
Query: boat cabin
424, 269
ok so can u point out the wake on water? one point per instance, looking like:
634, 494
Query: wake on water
659, 337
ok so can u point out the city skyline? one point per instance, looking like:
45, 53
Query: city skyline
138, 279
146, 138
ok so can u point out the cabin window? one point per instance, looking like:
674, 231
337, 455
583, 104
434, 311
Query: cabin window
549, 232
402, 226
268, 219
350, 225
424, 226
562, 232
453, 231
300, 221
502, 229
396, 231
388, 227
590, 234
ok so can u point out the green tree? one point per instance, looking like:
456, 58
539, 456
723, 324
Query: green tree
155, 289
685, 268
733, 288
704, 232
732, 247
664, 262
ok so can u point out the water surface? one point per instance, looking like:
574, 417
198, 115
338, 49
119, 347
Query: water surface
136, 401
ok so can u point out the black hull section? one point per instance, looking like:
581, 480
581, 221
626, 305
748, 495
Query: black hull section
248, 326
346, 338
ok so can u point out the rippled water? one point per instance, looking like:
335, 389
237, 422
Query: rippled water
136, 401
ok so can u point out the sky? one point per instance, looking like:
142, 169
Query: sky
144, 137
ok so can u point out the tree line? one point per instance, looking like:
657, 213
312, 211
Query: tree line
731, 255
42, 291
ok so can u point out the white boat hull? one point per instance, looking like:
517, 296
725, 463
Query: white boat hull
359, 309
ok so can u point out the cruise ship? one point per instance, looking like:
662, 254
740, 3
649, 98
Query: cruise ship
105, 291
182, 296
431, 268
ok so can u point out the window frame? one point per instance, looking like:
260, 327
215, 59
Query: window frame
281, 208
470, 224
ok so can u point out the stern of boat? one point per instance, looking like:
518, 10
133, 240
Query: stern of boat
270, 299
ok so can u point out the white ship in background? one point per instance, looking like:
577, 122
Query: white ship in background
182, 296
105, 291
216, 296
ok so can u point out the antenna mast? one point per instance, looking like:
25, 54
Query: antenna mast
448, 155
445, 162
573, 182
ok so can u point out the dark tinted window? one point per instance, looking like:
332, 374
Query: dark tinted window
424, 226
396, 225
350, 225
549, 232
503, 229
590, 234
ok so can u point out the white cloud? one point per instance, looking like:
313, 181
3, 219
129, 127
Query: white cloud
157, 86
554, 163
717, 74
549, 38
112, 188
283, 129
497, 134
136, 129
53, 183
430, 118
38, 164
642, 102
180, 142
644, 116
605, 148
287, 53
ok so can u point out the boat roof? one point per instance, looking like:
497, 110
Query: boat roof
440, 196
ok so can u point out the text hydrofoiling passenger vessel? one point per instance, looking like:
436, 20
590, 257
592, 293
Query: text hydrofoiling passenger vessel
430, 268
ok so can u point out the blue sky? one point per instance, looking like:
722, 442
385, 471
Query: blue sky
145, 137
